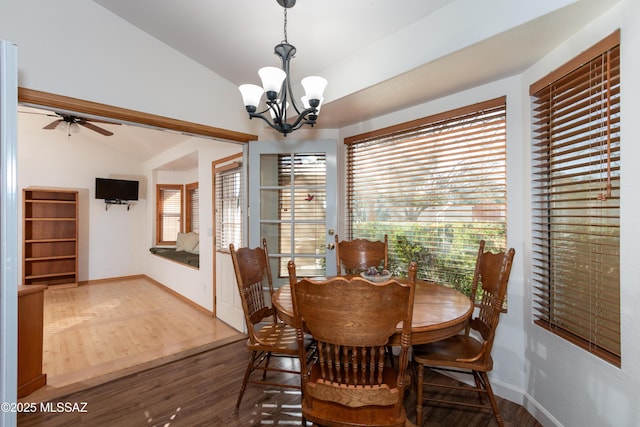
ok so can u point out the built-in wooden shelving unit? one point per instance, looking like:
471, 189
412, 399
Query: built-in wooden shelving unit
50, 237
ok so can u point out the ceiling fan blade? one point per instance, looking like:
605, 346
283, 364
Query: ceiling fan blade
96, 128
37, 113
53, 124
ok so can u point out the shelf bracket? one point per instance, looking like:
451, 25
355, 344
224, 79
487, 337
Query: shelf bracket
109, 203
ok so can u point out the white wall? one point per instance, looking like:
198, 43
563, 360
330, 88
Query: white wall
578, 389
79, 49
558, 382
196, 285
111, 242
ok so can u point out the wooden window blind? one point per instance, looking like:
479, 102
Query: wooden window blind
228, 205
436, 186
192, 206
576, 200
169, 213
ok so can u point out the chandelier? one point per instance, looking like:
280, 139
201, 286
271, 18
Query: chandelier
276, 83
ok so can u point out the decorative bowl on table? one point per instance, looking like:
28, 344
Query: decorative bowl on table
373, 275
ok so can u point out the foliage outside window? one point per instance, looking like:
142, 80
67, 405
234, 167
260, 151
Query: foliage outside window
168, 213
228, 206
576, 200
192, 206
436, 186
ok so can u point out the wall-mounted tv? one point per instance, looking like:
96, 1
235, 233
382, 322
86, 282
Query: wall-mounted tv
116, 190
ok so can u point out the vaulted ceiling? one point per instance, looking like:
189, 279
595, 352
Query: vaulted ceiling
378, 55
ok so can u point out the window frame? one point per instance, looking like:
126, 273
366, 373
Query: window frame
160, 212
569, 108
192, 208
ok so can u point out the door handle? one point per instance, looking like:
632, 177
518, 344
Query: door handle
331, 246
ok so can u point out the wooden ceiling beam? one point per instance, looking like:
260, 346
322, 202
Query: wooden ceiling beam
49, 100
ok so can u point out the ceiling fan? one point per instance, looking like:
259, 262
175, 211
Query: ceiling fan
70, 119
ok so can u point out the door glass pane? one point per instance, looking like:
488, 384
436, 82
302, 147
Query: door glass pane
293, 210
275, 205
269, 170
273, 232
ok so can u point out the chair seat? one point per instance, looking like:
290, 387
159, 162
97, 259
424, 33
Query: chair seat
333, 414
451, 352
276, 337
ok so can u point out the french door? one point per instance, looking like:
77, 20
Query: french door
292, 204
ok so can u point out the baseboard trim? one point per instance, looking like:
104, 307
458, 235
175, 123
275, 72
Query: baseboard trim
153, 281
509, 392
110, 279
178, 295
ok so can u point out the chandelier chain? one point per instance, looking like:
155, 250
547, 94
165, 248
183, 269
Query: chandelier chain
285, 24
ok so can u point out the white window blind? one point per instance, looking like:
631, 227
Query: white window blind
192, 207
436, 186
169, 213
576, 200
229, 202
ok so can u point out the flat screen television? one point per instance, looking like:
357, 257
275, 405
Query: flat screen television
116, 190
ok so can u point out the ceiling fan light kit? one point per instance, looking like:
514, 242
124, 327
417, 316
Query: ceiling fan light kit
276, 85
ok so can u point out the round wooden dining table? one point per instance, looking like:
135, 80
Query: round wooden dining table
439, 312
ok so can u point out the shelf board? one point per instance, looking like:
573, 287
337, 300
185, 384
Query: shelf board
48, 275
50, 219
50, 258
61, 239
65, 202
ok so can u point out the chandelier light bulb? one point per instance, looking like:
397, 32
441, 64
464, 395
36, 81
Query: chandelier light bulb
272, 79
314, 88
251, 96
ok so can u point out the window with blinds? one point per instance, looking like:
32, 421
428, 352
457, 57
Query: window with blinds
576, 200
192, 207
436, 186
228, 205
169, 213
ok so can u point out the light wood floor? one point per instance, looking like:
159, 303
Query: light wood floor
96, 332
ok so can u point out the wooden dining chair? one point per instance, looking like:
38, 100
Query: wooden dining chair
463, 353
351, 319
354, 256
268, 336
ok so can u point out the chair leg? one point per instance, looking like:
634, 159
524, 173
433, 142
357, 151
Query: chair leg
479, 382
389, 352
492, 398
247, 372
266, 366
419, 391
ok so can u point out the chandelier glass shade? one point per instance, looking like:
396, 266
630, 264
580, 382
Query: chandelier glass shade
276, 86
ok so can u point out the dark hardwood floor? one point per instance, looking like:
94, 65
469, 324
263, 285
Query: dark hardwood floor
201, 390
